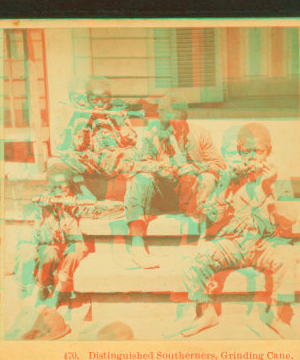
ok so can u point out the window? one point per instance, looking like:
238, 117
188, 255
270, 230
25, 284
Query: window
263, 52
185, 58
24, 95
189, 59
143, 62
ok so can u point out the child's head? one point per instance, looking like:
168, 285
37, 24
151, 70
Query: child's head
81, 135
78, 92
99, 93
229, 146
254, 143
60, 180
172, 107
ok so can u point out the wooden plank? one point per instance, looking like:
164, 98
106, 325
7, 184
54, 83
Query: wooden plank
10, 77
118, 48
26, 134
35, 111
119, 32
120, 67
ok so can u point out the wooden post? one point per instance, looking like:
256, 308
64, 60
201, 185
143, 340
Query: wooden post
34, 105
10, 78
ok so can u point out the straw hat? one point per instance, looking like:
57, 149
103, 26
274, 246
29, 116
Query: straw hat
99, 331
58, 327
34, 324
27, 319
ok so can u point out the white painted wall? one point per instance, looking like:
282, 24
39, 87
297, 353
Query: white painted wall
59, 57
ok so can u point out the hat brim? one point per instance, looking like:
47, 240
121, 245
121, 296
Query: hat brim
89, 333
57, 336
106, 332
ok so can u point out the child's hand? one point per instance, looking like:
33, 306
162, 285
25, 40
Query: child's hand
187, 169
110, 161
269, 172
169, 173
203, 167
268, 176
149, 166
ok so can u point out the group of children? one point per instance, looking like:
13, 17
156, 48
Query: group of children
175, 168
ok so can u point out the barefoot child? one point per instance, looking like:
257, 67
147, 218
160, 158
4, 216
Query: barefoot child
184, 173
59, 242
246, 240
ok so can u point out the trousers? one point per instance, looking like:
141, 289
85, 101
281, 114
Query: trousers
147, 192
56, 264
214, 256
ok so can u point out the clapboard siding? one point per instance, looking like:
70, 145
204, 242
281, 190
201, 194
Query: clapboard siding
151, 61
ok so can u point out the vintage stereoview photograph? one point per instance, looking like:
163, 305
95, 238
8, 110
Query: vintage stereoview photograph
151, 183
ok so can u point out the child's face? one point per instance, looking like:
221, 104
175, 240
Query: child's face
81, 140
254, 150
59, 185
167, 115
100, 99
79, 99
231, 154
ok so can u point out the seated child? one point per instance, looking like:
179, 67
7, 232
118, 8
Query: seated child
182, 178
113, 112
59, 242
247, 239
109, 160
106, 140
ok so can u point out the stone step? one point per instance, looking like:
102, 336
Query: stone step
111, 270
162, 225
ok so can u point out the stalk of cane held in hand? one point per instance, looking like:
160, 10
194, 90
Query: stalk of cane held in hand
125, 113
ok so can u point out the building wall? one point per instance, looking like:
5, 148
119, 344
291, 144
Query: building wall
257, 72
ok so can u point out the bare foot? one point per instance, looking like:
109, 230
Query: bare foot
208, 319
121, 255
140, 256
273, 318
284, 330
185, 316
143, 259
190, 324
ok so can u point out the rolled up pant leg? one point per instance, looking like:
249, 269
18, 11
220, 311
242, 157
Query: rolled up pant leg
73, 255
25, 264
139, 196
212, 257
281, 260
187, 190
207, 185
48, 259
193, 191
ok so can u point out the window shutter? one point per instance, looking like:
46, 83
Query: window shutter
165, 58
196, 57
292, 51
191, 60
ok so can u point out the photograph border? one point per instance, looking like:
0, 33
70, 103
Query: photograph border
45, 350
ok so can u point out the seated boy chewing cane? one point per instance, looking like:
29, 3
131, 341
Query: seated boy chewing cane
185, 169
105, 129
59, 242
247, 240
